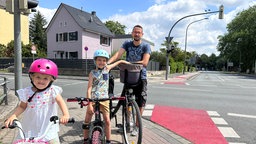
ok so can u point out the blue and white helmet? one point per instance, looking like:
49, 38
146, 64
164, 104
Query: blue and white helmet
100, 53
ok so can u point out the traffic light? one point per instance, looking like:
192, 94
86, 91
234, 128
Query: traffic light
9, 6
221, 12
170, 49
28, 6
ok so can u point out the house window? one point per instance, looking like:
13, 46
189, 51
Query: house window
73, 36
60, 37
65, 36
57, 37
73, 55
104, 40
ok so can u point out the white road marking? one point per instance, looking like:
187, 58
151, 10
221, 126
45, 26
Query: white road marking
148, 110
220, 78
242, 115
228, 132
149, 106
213, 113
72, 84
236, 143
147, 113
219, 121
182, 89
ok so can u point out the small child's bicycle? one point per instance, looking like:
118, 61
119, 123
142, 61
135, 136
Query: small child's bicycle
97, 126
34, 140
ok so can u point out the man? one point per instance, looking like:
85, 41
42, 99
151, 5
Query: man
136, 52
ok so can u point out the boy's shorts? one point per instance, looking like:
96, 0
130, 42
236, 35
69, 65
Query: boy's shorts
104, 106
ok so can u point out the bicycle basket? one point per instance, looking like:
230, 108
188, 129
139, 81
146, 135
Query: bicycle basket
130, 73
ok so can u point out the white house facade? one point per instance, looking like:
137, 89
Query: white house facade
75, 34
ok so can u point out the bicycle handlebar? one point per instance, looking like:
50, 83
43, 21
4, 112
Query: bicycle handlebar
53, 119
81, 100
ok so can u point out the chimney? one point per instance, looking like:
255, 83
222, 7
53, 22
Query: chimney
93, 13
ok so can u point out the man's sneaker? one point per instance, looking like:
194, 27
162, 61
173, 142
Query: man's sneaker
134, 132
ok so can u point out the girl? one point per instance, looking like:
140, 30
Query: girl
39, 102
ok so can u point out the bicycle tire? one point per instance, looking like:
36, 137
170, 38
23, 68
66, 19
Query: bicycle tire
126, 124
97, 137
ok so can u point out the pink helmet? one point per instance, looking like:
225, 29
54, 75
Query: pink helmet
44, 66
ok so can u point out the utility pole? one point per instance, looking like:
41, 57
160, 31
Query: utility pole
221, 13
17, 47
16, 7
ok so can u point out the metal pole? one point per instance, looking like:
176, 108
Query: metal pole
17, 47
86, 62
185, 54
5, 91
168, 38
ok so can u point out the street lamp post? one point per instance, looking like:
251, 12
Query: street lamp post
185, 54
220, 11
237, 42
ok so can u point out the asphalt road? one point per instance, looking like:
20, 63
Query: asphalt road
231, 96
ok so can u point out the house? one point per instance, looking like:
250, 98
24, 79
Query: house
7, 26
75, 34
118, 40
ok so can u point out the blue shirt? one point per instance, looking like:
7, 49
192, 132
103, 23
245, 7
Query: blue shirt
135, 53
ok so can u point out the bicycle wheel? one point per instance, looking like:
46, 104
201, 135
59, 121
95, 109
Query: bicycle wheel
132, 132
98, 136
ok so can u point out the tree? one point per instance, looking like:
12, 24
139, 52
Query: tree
115, 27
8, 51
2, 50
238, 45
37, 33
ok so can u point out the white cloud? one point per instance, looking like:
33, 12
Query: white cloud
158, 19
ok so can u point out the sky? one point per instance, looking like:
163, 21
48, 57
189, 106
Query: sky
157, 17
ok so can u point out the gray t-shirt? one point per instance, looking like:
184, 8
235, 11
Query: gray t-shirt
135, 53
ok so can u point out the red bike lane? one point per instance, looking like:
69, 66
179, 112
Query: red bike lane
194, 125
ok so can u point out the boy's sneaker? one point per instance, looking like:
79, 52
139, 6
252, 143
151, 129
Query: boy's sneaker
86, 141
134, 132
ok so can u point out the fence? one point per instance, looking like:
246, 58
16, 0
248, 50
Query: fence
73, 63
3, 90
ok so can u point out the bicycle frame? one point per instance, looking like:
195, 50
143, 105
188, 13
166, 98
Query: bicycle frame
96, 127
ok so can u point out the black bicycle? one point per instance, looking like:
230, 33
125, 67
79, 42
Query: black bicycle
97, 126
131, 126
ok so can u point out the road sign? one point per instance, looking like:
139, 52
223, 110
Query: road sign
86, 48
33, 49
